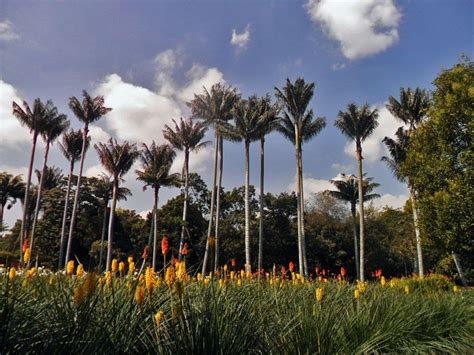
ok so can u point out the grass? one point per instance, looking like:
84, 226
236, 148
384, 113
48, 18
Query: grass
55, 313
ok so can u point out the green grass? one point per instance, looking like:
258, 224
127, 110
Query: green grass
41, 316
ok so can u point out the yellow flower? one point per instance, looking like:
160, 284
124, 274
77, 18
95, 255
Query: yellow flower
221, 283
206, 281
27, 255
456, 288
90, 284
181, 270
232, 275
114, 265
170, 276
30, 273
356, 294
319, 294
242, 273
130, 259
392, 283
239, 282
383, 281
108, 278
131, 268
150, 279
70, 267
158, 317
80, 270
12, 274
139, 295
78, 295
407, 289
225, 268
121, 268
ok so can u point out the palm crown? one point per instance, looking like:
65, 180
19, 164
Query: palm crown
11, 189
412, 107
397, 149
53, 177
102, 188
348, 189
34, 119
71, 145
186, 135
54, 124
117, 159
357, 123
90, 110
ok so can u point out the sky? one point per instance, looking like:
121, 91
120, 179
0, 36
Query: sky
148, 58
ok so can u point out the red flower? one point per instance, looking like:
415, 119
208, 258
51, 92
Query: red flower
233, 262
292, 266
283, 270
343, 271
317, 270
145, 252
184, 249
26, 245
165, 245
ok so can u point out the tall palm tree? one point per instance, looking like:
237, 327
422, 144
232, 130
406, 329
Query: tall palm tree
348, 191
187, 137
269, 113
117, 159
299, 125
88, 112
156, 161
32, 119
214, 107
102, 188
358, 123
411, 109
12, 188
71, 147
54, 125
52, 178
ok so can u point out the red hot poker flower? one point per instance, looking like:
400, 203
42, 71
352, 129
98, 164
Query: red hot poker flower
291, 266
165, 245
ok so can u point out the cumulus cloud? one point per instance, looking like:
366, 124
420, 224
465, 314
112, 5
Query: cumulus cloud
373, 148
395, 201
7, 32
199, 162
362, 27
240, 40
312, 185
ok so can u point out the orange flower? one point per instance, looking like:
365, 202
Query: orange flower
283, 270
233, 262
291, 266
164, 245
343, 271
145, 252
184, 249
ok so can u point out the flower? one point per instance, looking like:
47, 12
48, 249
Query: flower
139, 295
184, 249
233, 262
78, 295
181, 270
90, 284
170, 276
291, 266
383, 281
131, 267
80, 270
26, 245
164, 245
343, 271
225, 268
114, 265
121, 268
158, 317
456, 288
70, 267
206, 281
130, 259
12, 274
108, 278
27, 255
221, 283
319, 294
150, 279
145, 252
407, 289
356, 294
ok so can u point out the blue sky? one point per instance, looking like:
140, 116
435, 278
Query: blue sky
148, 57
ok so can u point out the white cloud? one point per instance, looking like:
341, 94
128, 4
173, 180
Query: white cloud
240, 40
390, 200
312, 185
373, 148
94, 170
6, 31
199, 162
344, 168
16, 170
98, 135
338, 66
362, 27
199, 77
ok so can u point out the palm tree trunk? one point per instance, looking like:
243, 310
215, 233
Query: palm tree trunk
248, 265
186, 196
361, 213
211, 212
102, 236
298, 199
38, 197
111, 225
303, 236
356, 248
457, 262
1, 217
24, 221
66, 204
76, 196
260, 229
218, 204
155, 227
417, 232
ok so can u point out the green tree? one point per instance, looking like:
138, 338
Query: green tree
12, 188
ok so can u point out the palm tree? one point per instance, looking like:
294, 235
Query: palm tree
214, 107
269, 112
157, 161
54, 125
53, 177
117, 159
102, 188
33, 120
411, 109
12, 188
298, 125
358, 123
88, 112
71, 147
348, 191
186, 137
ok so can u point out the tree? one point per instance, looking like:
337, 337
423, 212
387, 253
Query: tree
298, 125
117, 159
358, 123
186, 137
348, 191
71, 147
12, 188
88, 112
213, 108
33, 120
53, 177
102, 188
156, 161
54, 125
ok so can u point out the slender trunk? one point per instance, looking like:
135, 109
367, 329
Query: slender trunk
457, 262
356, 248
111, 225
102, 236
185, 206
260, 229
76, 196
66, 205
218, 204
211, 212
248, 265
24, 221
1, 217
361, 213
155, 227
303, 236
417, 232
38, 197
298, 198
